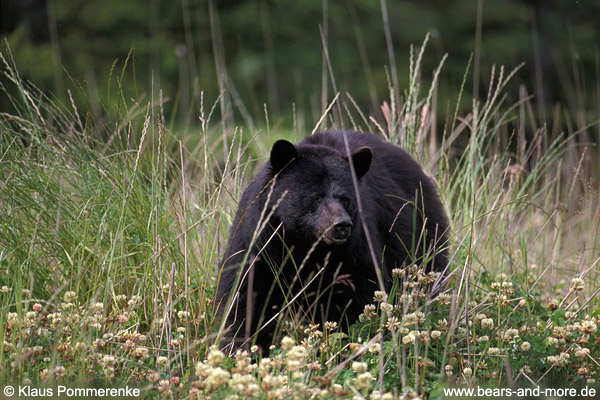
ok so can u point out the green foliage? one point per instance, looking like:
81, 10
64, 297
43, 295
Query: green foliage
270, 52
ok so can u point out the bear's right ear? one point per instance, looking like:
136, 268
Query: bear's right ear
361, 159
282, 153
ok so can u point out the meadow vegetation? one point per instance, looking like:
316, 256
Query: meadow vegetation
112, 229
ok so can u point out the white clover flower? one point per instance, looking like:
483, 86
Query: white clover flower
423, 336
386, 307
183, 315
359, 367
375, 395
397, 273
69, 297
164, 387
30, 315
522, 303
369, 310
296, 358
393, 323
588, 326
203, 370
559, 361
120, 298
364, 380
216, 377
244, 384
331, 326
487, 323
153, 377
379, 295
243, 362
287, 343
525, 346
479, 317
410, 338
511, 333
12, 319
577, 284
215, 356
414, 318
444, 299
405, 298
265, 366
494, 351
141, 352
59, 370
581, 353
375, 348
162, 361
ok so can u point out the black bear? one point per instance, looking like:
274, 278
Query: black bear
298, 241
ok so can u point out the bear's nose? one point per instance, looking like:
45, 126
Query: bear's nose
342, 226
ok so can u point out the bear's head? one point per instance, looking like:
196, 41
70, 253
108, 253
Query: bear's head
314, 190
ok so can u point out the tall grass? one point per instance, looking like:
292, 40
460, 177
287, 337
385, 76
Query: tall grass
109, 216
111, 232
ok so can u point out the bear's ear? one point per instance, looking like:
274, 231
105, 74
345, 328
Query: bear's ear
282, 153
361, 159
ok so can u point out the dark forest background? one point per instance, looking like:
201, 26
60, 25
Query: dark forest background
270, 53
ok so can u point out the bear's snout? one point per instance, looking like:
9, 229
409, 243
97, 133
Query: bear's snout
335, 224
342, 227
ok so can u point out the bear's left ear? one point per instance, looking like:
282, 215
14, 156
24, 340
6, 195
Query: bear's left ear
361, 159
282, 153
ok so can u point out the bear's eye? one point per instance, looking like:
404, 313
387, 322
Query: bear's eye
316, 197
345, 201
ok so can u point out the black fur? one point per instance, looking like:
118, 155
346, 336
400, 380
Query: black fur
312, 187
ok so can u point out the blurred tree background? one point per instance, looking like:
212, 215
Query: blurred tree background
269, 53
